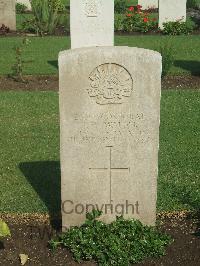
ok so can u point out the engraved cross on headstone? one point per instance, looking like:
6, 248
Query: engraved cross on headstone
110, 169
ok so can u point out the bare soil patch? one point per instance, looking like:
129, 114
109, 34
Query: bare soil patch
50, 83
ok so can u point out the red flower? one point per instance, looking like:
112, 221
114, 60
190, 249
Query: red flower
129, 15
139, 6
131, 8
145, 20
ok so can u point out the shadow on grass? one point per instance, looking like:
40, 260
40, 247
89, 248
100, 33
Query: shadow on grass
192, 66
53, 63
45, 178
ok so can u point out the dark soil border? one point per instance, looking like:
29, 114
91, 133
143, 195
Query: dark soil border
50, 83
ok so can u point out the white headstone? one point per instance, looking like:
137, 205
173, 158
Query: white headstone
170, 10
26, 3
7, 14
148, 4
109, 117
92, 23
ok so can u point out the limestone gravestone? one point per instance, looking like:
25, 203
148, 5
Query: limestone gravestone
109, 116
147, 4
26, 3
7, 14
92, 23
170, 10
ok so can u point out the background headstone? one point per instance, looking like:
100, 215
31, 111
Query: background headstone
25, 2
170, 10
92, 23
109, 117
7, 14
147, 4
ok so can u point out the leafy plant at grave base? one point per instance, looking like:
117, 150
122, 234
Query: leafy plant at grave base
122, 242
177, 28
46, 15
168, 57
192, 4
4, 229
20, 8
18, 66
4, 30
120, 6
137, 20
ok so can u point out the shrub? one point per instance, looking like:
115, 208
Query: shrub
122, 242
120, 6
168, 56
177, 28
192, 4
20, 8
18, 66
64, 22
119, 22
137, 20
45, 15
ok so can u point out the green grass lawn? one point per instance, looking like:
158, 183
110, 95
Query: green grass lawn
42, 53
29, 154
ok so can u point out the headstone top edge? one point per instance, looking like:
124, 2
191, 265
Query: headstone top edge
83, 50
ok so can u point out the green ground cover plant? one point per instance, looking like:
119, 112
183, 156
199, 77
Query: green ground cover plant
123, 242
4, 229
43, 52
29, 154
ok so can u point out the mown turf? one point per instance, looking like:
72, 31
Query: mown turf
42, 53
29, 154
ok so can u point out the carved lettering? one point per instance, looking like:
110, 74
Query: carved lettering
109, 128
